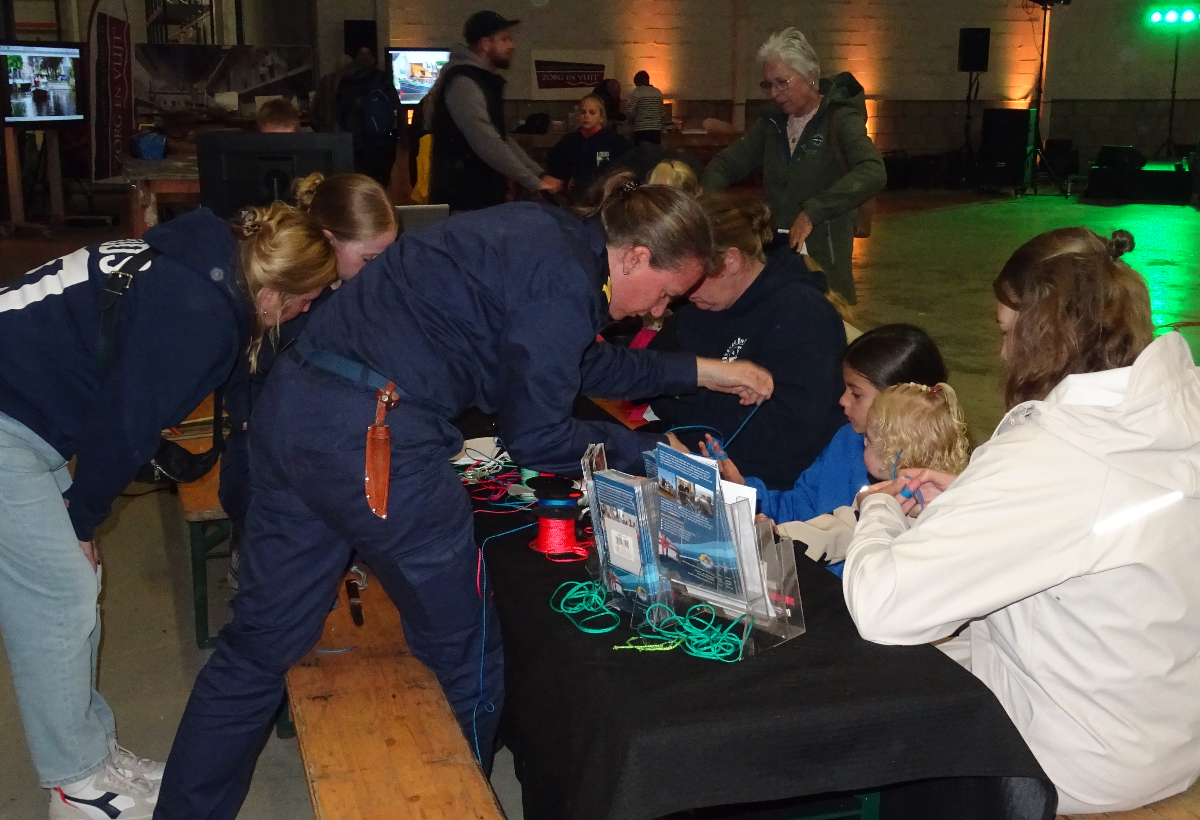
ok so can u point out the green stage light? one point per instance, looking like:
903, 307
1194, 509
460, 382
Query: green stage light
1172, 16
1156, 17
1188, 16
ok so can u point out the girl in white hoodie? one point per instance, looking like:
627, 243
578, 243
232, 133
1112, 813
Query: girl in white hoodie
1070, 547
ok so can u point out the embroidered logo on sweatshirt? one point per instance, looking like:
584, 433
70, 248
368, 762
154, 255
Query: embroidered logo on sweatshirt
602, 157
731, 352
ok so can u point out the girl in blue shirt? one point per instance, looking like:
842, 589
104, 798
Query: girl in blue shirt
880, 358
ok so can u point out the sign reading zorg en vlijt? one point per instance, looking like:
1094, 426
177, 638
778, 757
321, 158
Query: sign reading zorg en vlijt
562, 74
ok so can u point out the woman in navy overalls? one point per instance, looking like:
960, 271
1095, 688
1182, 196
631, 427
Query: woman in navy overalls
495, 309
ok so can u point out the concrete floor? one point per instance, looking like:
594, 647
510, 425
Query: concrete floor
931, 261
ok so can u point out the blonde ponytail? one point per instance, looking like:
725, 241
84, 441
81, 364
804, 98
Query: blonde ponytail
352, 207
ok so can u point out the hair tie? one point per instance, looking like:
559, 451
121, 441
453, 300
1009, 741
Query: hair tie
630, 186
935, 390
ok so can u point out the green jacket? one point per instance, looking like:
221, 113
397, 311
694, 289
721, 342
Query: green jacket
811, 179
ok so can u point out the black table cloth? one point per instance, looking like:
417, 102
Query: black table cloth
604, 734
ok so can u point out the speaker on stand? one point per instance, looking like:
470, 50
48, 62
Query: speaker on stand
974, 49
1002, 151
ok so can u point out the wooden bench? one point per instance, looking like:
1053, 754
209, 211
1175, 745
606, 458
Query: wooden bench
377, 736
208, 525
1183, 806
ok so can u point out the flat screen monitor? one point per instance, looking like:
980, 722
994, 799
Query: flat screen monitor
41, 83
239, 169
415, 70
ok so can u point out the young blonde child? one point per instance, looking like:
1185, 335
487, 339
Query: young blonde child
909, 426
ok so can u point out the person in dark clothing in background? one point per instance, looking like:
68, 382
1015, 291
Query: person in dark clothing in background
100, 391
473, 158
496, 309
647, 111
772, 311
579, 157
368, 106
609, 90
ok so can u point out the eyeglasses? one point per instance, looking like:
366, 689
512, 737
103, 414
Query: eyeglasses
771, 86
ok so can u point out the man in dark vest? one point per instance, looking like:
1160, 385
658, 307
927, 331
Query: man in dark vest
472, 156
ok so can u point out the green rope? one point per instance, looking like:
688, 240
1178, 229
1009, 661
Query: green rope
585, 598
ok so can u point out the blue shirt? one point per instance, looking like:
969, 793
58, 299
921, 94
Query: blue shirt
832, 481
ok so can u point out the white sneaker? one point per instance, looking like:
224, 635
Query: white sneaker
152, 770
109, 794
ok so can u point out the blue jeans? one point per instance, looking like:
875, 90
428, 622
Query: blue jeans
308, 511
48, 613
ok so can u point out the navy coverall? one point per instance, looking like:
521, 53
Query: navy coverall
496, 309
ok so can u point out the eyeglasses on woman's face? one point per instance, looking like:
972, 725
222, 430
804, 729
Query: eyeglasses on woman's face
778, 85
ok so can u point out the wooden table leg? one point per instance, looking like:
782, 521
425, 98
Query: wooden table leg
143, 208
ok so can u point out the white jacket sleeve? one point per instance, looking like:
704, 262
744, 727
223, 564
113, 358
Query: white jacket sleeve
1012, 525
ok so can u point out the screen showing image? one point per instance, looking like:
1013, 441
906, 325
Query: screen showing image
41, 83
415, 71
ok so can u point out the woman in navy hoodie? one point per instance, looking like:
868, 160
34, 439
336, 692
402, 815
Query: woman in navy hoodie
98, 386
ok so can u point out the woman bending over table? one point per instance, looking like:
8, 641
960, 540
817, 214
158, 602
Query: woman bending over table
1069, 546
496, 309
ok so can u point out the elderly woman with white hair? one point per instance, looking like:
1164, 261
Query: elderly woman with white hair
819, 166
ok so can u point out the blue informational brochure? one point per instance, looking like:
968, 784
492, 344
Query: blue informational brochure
626, 531
695, 546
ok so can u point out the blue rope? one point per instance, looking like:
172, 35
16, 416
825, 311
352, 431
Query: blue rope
719, 452
487, 707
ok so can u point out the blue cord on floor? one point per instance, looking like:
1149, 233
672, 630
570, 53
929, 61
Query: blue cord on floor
488, 707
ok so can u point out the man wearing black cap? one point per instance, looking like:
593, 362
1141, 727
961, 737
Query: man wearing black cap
472, 155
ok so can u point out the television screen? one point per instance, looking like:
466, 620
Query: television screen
414, 71
41, 83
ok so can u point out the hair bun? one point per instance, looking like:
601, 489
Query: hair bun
1120, 243
304, 189
249, 221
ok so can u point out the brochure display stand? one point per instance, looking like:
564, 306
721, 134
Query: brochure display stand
711, 550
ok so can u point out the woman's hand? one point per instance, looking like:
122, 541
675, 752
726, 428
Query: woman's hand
801, 228
676, 444
890, 487
89, 549
930, 483
749, 381
551, 185
729, 471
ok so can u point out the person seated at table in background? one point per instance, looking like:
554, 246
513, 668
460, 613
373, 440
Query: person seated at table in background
94, 383
578, 159
357, 220
768, 310
818, 163
876, 360
647, 110
1068, 547
278, 116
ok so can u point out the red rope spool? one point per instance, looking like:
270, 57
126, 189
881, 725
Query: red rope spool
556, 539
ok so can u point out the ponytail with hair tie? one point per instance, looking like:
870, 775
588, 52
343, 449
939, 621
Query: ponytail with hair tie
1119, 244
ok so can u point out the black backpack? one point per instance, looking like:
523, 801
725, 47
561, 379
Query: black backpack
365, 108
171, 461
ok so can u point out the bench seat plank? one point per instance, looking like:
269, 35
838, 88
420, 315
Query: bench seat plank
377, 736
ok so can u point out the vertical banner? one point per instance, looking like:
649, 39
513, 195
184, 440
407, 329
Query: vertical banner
111, 57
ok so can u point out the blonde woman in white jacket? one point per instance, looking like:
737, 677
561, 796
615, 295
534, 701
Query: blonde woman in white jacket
1070, 547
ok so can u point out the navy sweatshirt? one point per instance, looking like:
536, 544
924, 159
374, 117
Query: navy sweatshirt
578, 160
179, 329
499, 309
784, 323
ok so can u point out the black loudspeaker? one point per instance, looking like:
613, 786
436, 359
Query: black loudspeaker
974, 46
1006, 135
1124, 158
